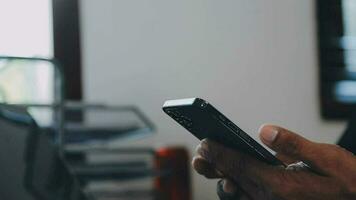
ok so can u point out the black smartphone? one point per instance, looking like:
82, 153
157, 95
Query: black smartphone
204, 121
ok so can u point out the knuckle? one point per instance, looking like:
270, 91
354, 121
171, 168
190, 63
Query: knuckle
287, 186
333, 148
238, 166
284, 187
335, 154
207, 150
341, 150
294, 146
348, 191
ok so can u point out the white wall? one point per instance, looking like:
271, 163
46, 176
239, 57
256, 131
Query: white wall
255, 60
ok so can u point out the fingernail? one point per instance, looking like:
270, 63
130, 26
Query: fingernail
204, 149
229, 187
198, 147
204, 145
193, 160
268, 133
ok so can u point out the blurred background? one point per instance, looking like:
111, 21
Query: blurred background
289, 63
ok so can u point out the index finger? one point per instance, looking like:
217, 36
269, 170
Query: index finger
236, 165
204, 168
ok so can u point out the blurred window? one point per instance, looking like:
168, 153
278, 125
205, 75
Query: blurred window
337, 57
349, 17
42, 28
26, 28
26, 31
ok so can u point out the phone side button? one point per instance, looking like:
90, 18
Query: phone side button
222, 118
233, 126
244, 136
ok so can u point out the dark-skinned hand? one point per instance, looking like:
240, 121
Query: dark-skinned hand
332, 173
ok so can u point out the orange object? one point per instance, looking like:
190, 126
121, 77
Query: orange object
174, 182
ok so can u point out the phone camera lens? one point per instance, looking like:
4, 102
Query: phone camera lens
203, 105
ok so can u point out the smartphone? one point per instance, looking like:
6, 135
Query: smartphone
204, 121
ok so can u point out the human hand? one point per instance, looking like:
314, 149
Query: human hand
335, 168
226, 188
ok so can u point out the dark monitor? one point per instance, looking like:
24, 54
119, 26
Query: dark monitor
31, 167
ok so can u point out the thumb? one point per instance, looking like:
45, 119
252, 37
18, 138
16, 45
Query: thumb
294, 146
